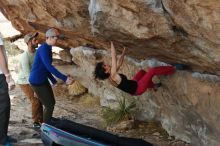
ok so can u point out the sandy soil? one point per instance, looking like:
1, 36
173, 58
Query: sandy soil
84, 109
20, 125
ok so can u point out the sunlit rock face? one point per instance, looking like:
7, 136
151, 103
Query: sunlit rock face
183, 31
187, 103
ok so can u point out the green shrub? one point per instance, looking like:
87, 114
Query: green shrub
124, 111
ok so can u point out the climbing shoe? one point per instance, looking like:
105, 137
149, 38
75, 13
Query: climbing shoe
36, 125
181, 66
156, 86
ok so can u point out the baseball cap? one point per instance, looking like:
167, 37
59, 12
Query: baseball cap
30, 36
54, 32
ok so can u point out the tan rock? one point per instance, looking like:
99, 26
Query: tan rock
186, 104
177, 31
171, 31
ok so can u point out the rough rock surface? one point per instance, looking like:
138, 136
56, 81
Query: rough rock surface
186, 104
183, 31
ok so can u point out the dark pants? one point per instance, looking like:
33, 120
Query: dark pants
4, 109
46, 96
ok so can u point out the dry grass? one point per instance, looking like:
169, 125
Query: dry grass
89, 100
61, 91
76, 89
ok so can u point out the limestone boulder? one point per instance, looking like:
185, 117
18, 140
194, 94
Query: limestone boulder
170, 30
186, 104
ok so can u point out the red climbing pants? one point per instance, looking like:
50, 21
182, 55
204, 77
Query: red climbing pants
144, 79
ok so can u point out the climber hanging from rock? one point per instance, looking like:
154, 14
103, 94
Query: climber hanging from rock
138, 84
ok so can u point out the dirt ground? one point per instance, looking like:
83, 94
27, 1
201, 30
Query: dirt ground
84, 109
20, 126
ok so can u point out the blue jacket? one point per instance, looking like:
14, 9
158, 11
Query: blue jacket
42, 68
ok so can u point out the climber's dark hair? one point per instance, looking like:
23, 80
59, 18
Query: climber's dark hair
100, 71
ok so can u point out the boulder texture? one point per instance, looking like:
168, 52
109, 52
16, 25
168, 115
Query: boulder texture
172, 31
186, 104
183, 31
